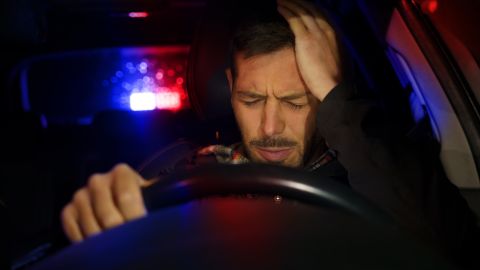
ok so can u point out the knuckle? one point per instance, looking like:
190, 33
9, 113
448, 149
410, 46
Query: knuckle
66, 213
328, 30
96, 182
110, 220
330, 33
79, 196
126, 197
121, 168
304, 38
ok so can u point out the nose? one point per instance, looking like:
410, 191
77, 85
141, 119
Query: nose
272, 119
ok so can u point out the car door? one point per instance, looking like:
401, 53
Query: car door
433, 47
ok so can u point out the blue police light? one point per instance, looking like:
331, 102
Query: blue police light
149, 79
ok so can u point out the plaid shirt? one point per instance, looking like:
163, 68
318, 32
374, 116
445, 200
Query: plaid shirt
234, 155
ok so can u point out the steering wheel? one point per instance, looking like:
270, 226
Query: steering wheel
251, 216
265, 179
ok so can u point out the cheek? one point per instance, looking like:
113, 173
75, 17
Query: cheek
246, 119
300, 124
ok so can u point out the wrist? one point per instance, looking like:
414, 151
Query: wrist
322, 90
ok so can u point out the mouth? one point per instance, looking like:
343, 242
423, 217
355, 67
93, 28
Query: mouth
274, 154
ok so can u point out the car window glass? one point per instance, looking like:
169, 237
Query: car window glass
74, 86
457, 24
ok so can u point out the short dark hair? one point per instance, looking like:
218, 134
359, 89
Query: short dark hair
256, 37
266, 31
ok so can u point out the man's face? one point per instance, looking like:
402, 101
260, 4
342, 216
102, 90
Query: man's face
273, 107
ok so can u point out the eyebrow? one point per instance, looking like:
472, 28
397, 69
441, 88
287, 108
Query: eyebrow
293, 96
250, 94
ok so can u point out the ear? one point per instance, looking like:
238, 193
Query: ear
228, 72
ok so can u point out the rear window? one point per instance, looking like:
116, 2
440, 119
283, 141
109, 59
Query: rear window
74, 86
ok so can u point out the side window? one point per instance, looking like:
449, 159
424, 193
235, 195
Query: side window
437, 94
456, 23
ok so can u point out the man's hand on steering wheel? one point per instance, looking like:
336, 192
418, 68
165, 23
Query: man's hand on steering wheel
107, 201
114, 198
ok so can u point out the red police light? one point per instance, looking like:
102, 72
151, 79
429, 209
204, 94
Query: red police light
141, 14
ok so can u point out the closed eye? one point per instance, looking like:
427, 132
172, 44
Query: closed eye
251, 102
294, 106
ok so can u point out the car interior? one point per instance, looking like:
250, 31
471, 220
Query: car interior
87, 84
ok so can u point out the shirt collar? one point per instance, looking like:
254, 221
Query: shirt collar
234, 154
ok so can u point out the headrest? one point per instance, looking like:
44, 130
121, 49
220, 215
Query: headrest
207, 83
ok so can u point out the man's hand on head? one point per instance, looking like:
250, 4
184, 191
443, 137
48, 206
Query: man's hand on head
316, 48
107, 201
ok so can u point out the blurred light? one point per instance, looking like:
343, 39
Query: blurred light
147, 79
429, 6
143, 67
433, 6
164, 89
168, 100
131, 68
159, 75
125, 99
141, 79
141, 14
43, 121
142, 101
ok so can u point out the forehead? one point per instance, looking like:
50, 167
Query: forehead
273, 72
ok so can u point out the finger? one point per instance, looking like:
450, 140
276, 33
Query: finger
107, 214
70, 225
310, 9
127, 194
322, 23
87, 220
320, 18
307, 18
295, 23
332, 39
147, 183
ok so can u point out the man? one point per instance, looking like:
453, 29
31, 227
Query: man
290, 103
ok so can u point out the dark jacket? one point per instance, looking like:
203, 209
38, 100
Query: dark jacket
401, 175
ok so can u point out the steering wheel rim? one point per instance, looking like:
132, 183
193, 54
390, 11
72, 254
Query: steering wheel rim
223, 179
292, 234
